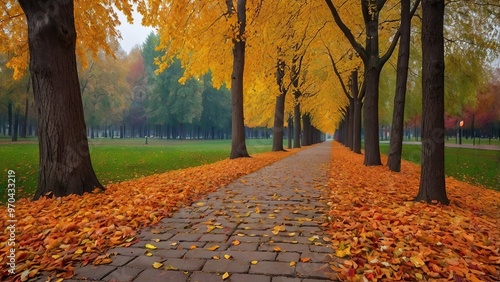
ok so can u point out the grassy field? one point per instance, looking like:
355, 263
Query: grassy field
121, 159
474, 166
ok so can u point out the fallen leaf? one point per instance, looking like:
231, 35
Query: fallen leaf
225, 276
157, 265
213, 248
151, 247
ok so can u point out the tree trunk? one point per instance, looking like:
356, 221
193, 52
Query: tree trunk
432, 179
24, 126
358, 105
296, 125
350, 124
397, 130
15, 127
278, 129
65, 165
290, 131
9, 112
238, 146
370, 118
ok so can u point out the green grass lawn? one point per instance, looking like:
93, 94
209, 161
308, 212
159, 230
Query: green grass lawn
471, 165
121, 159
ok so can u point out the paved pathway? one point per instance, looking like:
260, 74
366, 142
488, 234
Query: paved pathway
266, 226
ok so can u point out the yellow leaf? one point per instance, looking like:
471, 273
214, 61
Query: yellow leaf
151, 247
419, 276
291, 234
56, 256
157, 265
216, 257
169, 267
225, 276
79, 251
277, 249
254, 262
226, 256
200, 204
236, 242
343, 252
120, 217
417, 261
292, 263
156, 240
213, 248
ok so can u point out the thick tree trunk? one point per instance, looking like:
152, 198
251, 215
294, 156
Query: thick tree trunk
432, 178
296, 125
290, 131
397, 130
65, 166
279, 120
370, 118
350, 123
238, 145
372, 78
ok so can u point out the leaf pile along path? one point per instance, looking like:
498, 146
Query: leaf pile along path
51, 234
383, 234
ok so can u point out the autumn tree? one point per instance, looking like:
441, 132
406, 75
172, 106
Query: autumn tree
432, 184
373, 63
65, 166
397, 129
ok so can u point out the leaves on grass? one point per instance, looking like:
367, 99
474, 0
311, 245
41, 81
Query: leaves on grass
54, 234
382, 234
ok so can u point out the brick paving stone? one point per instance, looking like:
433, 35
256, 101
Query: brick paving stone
314, 270
120, 260
128, 251
144, 261
94, 272
205, 277
186, 237
285, 279
246, 246
317, 257
225, 265
238, 277
169, 253
123, 274
213, 238
150, 275
288, 257
201, 254
185, 264
272, 268
251, 255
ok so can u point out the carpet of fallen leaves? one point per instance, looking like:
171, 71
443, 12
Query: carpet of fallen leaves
383, 235
54, 234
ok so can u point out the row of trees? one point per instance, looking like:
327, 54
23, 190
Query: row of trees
287, 58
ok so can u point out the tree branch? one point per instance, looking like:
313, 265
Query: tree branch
347, 32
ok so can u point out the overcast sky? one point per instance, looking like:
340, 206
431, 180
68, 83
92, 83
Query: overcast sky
134, 34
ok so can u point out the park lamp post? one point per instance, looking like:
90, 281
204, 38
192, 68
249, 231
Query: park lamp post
460, 132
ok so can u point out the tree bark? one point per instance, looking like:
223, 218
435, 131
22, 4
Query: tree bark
397, 130
15, 127
290, 131
65, 165
238, 145
358, 105
9, 117
432, 178
296, 125
278, 128
370, 118
24, 126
